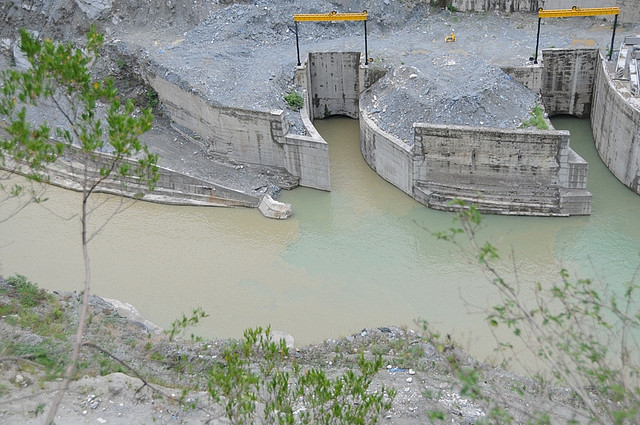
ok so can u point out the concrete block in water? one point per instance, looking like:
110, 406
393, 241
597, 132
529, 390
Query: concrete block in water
274, 209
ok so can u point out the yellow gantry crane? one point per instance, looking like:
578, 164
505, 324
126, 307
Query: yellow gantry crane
332, 17
576, 11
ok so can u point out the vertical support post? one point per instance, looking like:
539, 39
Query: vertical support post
297, 44
366, 52
613, 36
535, 60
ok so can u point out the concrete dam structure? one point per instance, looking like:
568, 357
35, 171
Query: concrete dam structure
502, 171
522, 171
509, 171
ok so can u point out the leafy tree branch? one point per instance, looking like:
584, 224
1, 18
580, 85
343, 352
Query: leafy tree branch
585, 333
59, 74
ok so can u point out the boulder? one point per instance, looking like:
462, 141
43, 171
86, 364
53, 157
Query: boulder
277, 336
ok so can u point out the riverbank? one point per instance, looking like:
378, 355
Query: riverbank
111, 389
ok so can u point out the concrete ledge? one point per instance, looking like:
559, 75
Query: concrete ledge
440, 196
172, 188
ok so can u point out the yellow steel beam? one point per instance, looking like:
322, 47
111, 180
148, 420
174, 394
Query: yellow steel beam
331, 16
576, 11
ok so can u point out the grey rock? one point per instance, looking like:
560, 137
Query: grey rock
95, 9
22, 63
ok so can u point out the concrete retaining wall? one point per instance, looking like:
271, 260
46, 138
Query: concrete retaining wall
529, 76
567, 80
629, 9
524, 172
615, 123
387, 155
504, 171
250, 136
256, 137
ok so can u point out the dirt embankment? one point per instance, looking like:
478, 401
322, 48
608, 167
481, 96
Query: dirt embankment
38, 330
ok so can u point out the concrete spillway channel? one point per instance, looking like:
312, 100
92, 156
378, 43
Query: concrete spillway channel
503, 171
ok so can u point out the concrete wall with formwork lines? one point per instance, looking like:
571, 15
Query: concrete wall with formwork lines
502, 5
503, 171
615, 122
387, 155
567, 81
334, 83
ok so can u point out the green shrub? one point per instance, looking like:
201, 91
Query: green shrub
28, 293
537, 119
294, 100
257, 370
152, 98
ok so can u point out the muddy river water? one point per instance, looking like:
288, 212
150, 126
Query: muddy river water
359, 256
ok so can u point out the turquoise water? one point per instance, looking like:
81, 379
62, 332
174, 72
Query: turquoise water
359, 256
606, 244
366, 236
